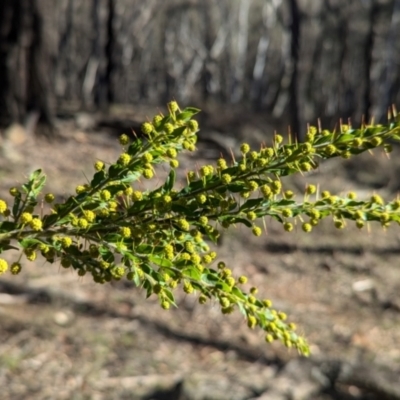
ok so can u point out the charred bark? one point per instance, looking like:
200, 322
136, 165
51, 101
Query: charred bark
294, 51
294, 59
25, 81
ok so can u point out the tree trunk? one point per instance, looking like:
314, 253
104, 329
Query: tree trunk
297, 60
25, 69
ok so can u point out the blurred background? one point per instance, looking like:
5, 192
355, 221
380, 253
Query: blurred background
74, 74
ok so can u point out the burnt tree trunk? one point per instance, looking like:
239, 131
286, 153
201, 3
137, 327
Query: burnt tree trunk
297, 60
25, 66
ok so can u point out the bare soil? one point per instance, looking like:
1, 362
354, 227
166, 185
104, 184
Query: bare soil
65, 337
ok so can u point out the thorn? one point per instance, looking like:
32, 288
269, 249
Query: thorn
319, 125
265, 226
233, 156
41, 209
389, 114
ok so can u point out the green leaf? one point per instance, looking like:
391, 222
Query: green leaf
74, 251
76, 264
149, 288
5, 247
131, 257
135, 147
372, 131
241, 308
238, 220
395, 136
137, 206
276, 216
184, 116
50, 219
346, 137
355, 203
214, 280
35, 175
110, 237
196, 185
210, 277
223, 286
182, 263
169, 183
191, 110
160, 261
347, 214
35, 184
251, 203
168, 293
98, 178
147, 269
29, 242
262, 319
178, 132
285, 202
39, 185
131, 176
17, 203
150, 271
237, 187
323, 140
192, 272
7, 226
78, 199
187, 210
115, 170
106, 254
144, 249
238, 293
356, 151
59, 222
136, 279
